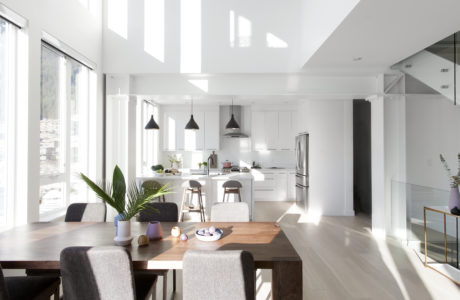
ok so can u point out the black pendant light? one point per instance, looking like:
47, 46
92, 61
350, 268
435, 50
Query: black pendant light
151, 124
232, 124
192, 125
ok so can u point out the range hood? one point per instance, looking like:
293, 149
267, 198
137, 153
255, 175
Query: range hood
234, 133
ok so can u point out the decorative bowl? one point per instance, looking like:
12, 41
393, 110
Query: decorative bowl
210, 238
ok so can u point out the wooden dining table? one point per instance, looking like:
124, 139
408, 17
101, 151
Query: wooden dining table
38, 246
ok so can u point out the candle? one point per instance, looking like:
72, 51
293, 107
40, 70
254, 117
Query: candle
175, 231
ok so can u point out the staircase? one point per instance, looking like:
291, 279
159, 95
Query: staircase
434, 67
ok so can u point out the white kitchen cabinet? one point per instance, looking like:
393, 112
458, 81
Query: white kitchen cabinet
291, 186
211, 130
258, 131
271, 130
194, 139
281, 186
176, 138
286, 139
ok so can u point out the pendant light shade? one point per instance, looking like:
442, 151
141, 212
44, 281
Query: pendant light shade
152, 124
232, 124
192, 125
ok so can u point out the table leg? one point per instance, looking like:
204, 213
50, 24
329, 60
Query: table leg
424, 231
445, 239
287, 280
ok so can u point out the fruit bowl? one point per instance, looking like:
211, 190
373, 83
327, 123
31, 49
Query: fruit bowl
202, 234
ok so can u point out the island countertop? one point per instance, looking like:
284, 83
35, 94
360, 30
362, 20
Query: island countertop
213, 176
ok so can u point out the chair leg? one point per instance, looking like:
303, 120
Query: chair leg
56, 293
165, 285
174, 280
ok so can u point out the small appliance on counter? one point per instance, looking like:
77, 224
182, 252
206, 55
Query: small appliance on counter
213, 160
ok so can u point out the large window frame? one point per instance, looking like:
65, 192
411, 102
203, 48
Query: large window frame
60, 182
8, 111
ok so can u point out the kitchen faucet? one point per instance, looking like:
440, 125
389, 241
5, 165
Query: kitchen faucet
210, 158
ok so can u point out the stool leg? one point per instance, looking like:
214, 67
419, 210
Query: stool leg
225, 191
200, 199
181, 218
239, 195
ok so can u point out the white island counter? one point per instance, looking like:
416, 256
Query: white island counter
211, 186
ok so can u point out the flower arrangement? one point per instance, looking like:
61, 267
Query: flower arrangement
454, 180
173, 159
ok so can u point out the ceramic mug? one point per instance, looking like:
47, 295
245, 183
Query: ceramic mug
154, 231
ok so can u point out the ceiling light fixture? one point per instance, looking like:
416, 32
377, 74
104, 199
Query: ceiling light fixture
151, 124
232, 124
192, 125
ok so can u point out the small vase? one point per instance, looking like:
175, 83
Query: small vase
115, 221
154, 231
124, 229
454, 198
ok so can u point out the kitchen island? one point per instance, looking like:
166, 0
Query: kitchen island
211, 188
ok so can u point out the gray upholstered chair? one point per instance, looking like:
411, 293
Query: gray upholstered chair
21, 287
221, 274
232, 187
230, 212
168, 212
102, 273
153, 185
86, 212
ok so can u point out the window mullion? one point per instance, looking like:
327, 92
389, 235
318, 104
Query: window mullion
67, 121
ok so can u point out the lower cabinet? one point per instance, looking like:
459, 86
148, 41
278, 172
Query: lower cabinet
271, 185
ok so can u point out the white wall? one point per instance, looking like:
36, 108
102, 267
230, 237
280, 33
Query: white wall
433, 124
319, 20
194, 36
329, 123
76, 26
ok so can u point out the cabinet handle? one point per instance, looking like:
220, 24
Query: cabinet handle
285, 149
263, 190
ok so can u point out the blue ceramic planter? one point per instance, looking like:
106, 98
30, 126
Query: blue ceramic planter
115, 221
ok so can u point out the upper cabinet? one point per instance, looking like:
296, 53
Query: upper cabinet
272, 130
176, 138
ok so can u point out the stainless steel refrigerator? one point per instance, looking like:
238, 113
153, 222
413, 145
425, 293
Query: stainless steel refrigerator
301, 177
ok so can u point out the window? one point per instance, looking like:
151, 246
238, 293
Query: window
8, 45
147, 140
64, 131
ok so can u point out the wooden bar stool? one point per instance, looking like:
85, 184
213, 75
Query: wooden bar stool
193, 188
232, 187
153, 185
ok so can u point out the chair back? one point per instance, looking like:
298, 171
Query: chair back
97, 273
232, 184
230, 212
3, 290
86, 212
151, 185
221, 274
194, 184
167, 212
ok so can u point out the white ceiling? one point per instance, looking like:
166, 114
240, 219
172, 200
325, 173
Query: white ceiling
384, 32
223, 100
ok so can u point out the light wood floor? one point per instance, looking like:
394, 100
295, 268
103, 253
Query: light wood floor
342, 260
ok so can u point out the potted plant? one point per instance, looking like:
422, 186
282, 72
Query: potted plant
115, 194
454, 198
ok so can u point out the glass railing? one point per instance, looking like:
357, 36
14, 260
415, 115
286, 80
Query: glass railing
411, 199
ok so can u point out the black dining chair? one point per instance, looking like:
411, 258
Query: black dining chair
86, 212
104, 272
22, 287
167, 212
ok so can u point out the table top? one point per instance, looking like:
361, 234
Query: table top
38, 245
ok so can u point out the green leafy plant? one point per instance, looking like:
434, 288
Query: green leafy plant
115, 194
453, 180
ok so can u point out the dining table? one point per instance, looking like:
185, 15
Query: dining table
37, 246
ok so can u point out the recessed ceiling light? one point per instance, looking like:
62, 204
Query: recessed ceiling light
357, 58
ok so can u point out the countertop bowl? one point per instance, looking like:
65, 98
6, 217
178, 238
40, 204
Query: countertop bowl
216, 236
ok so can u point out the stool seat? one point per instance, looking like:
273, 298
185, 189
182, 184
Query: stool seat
232, 187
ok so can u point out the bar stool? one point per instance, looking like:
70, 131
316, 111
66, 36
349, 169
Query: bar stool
153, 185
194, 187
232, 187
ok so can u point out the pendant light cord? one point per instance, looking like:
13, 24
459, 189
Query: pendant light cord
455, 68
